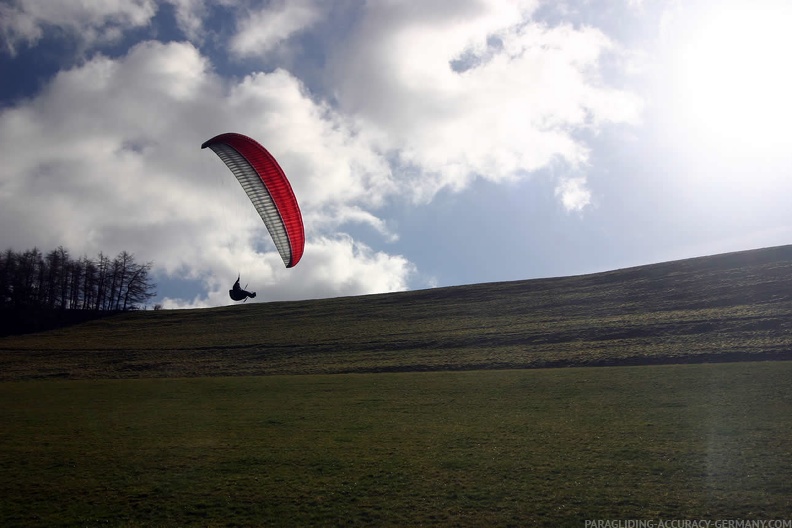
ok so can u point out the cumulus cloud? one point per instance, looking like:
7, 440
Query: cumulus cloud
484, 93
107, 158
573, 193
343, 267
23, 22
263, 29
411, 98
190, 16
333, 218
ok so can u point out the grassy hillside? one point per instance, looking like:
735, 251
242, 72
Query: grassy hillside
550, 447
736, 306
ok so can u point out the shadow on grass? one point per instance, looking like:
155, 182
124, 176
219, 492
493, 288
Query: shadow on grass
31, 320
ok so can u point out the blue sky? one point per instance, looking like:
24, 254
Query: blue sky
429, 143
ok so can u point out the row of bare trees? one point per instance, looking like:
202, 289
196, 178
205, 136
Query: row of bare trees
55, 280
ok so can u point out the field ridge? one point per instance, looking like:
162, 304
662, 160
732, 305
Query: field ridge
730, 307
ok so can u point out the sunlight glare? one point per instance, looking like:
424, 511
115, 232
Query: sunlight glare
734, 81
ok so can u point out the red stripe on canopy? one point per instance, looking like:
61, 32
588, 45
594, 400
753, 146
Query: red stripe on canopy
276, 184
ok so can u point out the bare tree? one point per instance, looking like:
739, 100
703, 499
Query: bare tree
50, 282
55, 280
123, 268
88, 287
138, 286
76, 271
8, 263
63, 277
102, 270
25, 284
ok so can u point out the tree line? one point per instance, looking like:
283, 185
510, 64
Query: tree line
55, 280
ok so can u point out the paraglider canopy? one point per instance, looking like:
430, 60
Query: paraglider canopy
267, 187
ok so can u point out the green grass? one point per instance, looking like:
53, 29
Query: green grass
549, 447
366, 435
722, 308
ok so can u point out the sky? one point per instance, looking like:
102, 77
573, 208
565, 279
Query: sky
429, 144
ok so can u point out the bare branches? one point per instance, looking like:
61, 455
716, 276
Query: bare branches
56, 281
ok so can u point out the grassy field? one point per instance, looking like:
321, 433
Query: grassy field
723, 308
416, 408
544, 447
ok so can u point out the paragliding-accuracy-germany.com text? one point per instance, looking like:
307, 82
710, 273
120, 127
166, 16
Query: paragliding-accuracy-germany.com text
687, 523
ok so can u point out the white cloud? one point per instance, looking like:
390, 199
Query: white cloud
350, 267
418, 97
480, 93
342, 267
332, 160
190, 16
573, 193
263, 30
333, 218
107, 158
24, 21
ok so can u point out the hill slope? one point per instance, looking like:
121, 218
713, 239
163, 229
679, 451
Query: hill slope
736, 306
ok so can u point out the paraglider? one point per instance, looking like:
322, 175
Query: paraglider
238, 294
270, 192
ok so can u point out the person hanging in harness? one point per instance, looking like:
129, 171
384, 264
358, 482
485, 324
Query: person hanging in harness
238, 294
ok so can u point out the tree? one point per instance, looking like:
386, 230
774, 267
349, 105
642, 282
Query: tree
26, 289
88, 287
123, 268
138, 286
8, 262
56, 281
76, 270
102, 269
